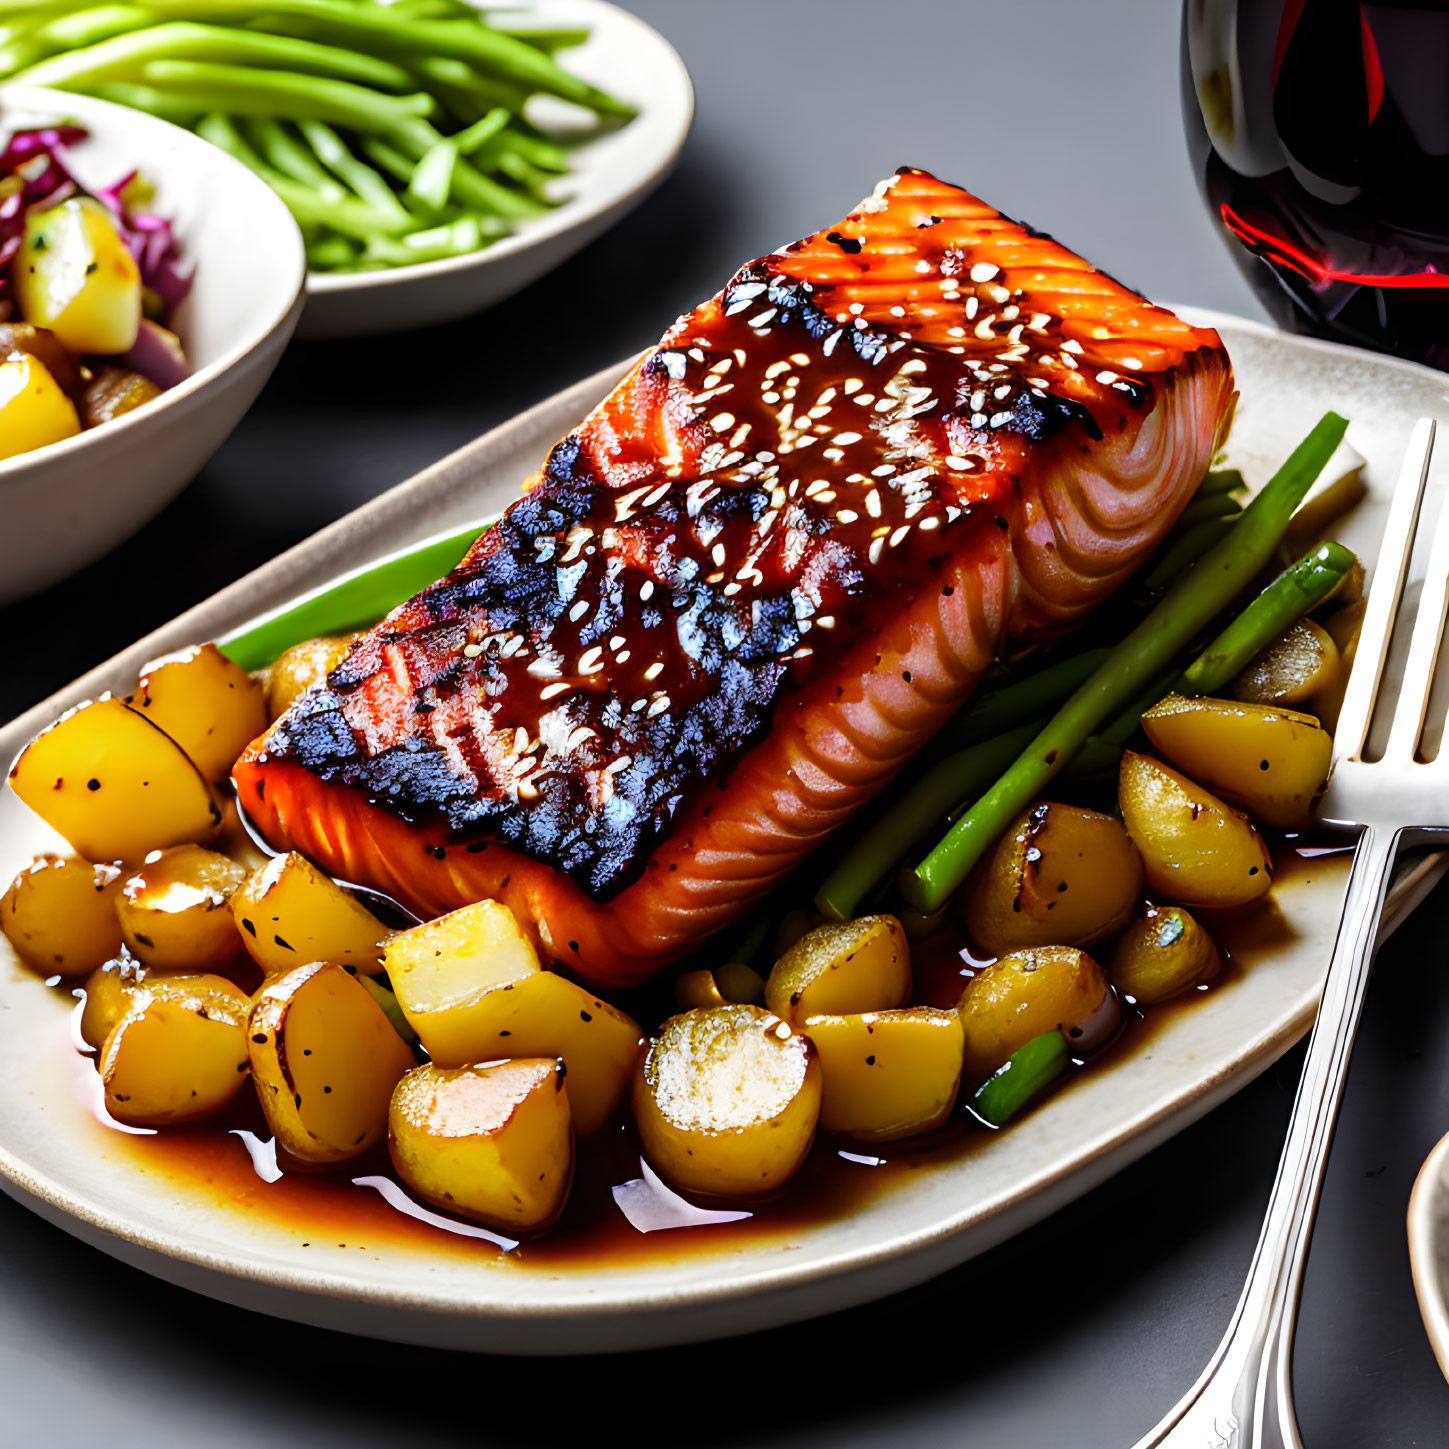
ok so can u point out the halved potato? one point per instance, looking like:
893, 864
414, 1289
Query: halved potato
114, 784
492, 1142
888, 1074
1059, 876
34, 411
289, 912
1271, 761
74, 275
300, 668
1164, 951
842, 967
727, 1101
179, 1051
1026, 993
175, 911
471, 985
1195, 848
326, 1060
1300, 666
108, 992
210, 706
60, 915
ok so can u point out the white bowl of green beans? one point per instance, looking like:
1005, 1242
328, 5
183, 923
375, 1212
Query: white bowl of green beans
437, 158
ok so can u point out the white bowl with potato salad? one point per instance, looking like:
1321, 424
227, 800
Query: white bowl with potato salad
197, 243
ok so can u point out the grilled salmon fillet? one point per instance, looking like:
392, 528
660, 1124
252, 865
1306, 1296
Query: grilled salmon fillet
761, 573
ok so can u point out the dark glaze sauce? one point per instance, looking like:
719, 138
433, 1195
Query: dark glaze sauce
361, 1205
796, 460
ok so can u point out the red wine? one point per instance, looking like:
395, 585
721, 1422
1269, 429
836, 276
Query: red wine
1319, 134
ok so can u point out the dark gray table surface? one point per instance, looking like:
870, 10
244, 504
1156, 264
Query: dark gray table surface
1078, 1332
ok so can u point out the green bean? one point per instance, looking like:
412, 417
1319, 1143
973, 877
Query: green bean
484, 129
332, 152
352, 602
121, 56
1028, 1071
415, 138
1295, 591
372, 28
931, 799
332, 252
1192, 603
291, 158
244, 91
432, 177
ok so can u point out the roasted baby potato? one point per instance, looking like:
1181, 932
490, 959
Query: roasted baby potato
843, 967
210, 706
1195, 849
472, 988
733, 981
113, 784
1300, 666
108, 992
1272, 762
178, 1052
697, 991
299, 668
60, 915
326, 1060
175, 911
289, 912
494, 1143
1060, 875
112, 393
74, 275
727, 1100
47, 349
34, 410
1026, 993
887, 1074
1162, 952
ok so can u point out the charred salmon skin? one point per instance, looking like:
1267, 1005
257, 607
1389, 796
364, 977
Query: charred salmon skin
752, 582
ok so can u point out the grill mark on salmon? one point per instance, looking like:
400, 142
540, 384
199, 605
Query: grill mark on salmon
753, 582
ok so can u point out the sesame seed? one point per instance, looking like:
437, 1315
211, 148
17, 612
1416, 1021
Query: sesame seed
550, 690
877, 545
983, 271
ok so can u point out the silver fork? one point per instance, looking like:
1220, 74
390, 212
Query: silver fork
1245, 1395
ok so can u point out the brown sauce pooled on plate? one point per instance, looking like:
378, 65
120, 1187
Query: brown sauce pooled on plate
231, 1161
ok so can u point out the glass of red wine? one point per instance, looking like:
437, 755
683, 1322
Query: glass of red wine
1319, 135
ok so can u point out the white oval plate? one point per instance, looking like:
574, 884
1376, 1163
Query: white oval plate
612, 174
57, 1160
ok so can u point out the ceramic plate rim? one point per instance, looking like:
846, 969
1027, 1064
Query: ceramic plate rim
1106, 1147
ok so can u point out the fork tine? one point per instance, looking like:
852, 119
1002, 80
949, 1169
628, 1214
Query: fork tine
1383, 600
1413, 701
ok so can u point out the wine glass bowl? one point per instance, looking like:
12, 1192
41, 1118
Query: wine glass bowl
1319, 137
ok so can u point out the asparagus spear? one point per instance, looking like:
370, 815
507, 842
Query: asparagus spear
351, 602
1287, 599
923, 806
1192, 603
1028, 1070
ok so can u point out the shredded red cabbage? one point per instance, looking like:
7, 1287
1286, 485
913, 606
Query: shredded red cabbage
37, 158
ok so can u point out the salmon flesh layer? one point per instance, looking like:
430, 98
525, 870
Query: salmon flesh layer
755, 579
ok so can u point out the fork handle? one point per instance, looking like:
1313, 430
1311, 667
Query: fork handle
1245, 1395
